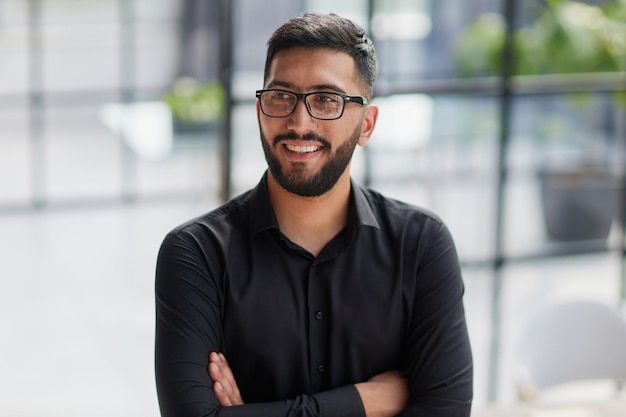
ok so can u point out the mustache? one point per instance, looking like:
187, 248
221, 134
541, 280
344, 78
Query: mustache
311, 136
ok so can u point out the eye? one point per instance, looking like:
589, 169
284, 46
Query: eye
327, 98
281, 96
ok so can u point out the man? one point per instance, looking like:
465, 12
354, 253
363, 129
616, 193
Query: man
310, 295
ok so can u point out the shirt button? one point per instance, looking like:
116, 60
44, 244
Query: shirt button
320, 368
319, 315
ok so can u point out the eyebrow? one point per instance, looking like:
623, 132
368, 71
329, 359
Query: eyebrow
317, 87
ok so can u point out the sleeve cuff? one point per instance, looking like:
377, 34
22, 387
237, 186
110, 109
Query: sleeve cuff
340, 402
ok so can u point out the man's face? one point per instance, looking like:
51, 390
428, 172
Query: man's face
307, 156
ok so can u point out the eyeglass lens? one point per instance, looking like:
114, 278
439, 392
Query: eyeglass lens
319, 105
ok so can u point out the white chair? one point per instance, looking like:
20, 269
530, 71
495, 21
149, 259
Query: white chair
570, 341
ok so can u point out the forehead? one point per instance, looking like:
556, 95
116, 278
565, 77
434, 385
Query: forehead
304, 69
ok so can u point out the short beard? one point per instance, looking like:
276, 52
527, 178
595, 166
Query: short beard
297, 181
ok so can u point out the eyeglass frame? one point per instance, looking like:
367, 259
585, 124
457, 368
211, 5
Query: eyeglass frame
360, 100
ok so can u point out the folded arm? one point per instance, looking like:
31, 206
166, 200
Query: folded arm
438, 357
383, 395
188, 329
437, 365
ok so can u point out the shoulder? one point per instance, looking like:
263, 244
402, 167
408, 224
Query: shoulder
395, 210
413, 225
231, 217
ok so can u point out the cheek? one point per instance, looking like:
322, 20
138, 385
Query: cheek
266, 127
271, 123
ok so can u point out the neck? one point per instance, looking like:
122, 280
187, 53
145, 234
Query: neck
311, 222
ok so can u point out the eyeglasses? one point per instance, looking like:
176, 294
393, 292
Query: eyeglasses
320, 104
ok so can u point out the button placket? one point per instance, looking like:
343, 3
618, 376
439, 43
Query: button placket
318, 325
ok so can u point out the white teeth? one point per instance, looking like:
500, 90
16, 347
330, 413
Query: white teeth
302, 149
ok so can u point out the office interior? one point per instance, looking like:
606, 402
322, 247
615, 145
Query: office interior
93, 174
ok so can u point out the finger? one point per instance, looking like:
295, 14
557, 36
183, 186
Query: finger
225, 369
214, 372
215, 368
221, 395
214, 357
224, 386
229, 381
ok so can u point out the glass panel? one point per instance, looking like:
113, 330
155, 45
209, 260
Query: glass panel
248, 158
80, 45
155, 56
356, 10
13, 14
14, 53
176, 39
79, 13
560, 37
416, 39
566, 156
82, 156
15, 165
477, 301
418, 155
254, 24
529, 286
190, 167
79, 58
156, 11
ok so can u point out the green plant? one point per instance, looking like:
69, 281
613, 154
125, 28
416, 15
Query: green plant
580, 193
566, 37
194, 103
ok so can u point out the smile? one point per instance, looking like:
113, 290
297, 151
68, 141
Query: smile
303, 149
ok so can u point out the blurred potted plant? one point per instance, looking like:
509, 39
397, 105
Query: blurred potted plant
195, 106
581, 200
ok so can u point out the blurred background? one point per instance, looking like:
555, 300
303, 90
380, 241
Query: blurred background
120, 119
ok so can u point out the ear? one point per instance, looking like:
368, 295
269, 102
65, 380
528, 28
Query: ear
258, 114
369, 122
258, 110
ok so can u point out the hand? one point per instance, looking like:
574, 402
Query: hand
224, 384
384, 395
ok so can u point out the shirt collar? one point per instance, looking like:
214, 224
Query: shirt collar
361, 213
262, 216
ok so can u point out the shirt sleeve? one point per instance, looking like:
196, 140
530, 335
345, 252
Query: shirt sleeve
188, 328
438, 354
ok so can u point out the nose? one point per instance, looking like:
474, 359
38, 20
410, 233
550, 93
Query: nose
300, 119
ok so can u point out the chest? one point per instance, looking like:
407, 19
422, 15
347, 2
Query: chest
333, 320
278, 286
307, 324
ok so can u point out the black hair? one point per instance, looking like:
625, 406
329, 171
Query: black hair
315, 30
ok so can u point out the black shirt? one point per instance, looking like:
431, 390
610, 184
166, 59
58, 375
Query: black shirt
298, 330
